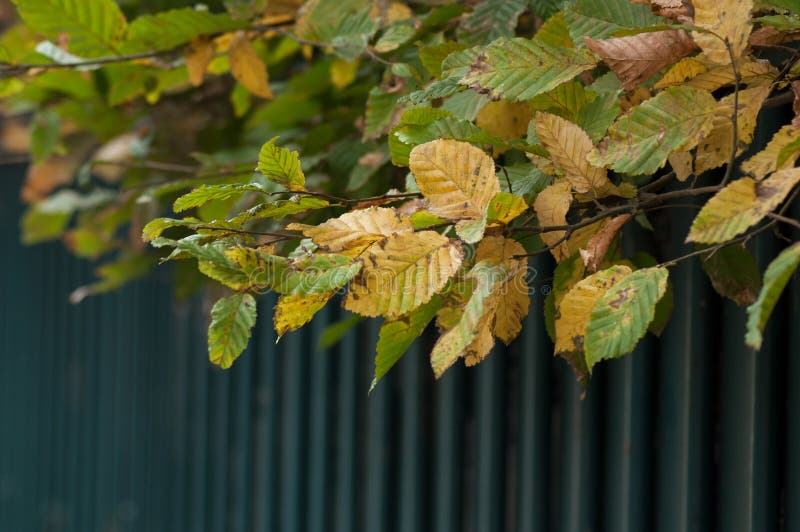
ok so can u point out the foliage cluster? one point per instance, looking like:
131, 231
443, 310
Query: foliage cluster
411, 157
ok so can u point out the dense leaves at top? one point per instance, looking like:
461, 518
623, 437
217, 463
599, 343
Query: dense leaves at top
410, 158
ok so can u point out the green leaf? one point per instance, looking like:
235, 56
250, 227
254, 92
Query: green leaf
597, 115
489, 20
170, 29
49, 218
600, 19
123, 269
526, 180
232, 320
519, 69
640, 141
95, 27
776, 278
281, 166
155, 227
44, 135
381, 111
432, 55
316, 274
336, 331
205, 193
544, 8
397, 335
280, 209
621, 317
734, 274
244, 9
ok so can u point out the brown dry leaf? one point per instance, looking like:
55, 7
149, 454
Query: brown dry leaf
551, 206
680, 10
117, 150
568, 146
726, 19
44, 177
247, 67
200, 54
796, 103
14, 136
772, 36
504, 119
715, 149
353, 232
636, 58
596, 248
456, 178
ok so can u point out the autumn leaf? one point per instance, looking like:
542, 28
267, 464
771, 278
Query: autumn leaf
232, 320
295, 310
636, 58
403, 272
740, 205
777, 276
456, 178
569, 146
200, 54
551, 207
725, 21
598, 245
247, 67
780, 153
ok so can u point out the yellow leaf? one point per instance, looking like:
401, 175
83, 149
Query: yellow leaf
740, 205
504, 119
683, 70
726, 20
456, 178
504, 207
551, 206
636, 58
343, 72
568, 146
681, 163
781, 152
198, 58
715, 149
483, 343
403, 272
294, 311
576, 307
247, 67
355, 231
512, 297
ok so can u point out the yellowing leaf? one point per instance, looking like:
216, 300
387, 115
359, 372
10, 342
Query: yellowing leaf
551, 206
725, 21
636, 58
739, 205
505, 120
402, 273
197, 60
247, 67
456, 178
569, 146
343, 72
683, 70
576, 307
641, 140
681, 163
781, 152
295, 310
504, 207
460, 341
715, 149
353, 232
512, 296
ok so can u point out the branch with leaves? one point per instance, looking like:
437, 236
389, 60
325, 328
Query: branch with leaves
418, 157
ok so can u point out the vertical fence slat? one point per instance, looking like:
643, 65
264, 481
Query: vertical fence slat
448, 446
345, 431
320, 428
489, 429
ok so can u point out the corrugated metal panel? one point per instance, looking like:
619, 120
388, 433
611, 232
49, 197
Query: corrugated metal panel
112, 419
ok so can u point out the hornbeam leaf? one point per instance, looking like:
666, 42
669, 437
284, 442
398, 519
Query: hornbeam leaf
317, 274
776, 278
641, 141
519, 69
403, 272
456, 342
568, 146
725, 21
551, 206
734, 274
281, 166
397, 335
295, 310
456, 178
95, 28
169, 29
355, 231
685, 69
600, 19
247, 67
621, 316
636, 58
504, 207
279, 209
598, 245
740, 205
574, 311
205, 193
198, 58
232, 320
753, 73
781, 152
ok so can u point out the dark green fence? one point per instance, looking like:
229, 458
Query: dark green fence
112, 420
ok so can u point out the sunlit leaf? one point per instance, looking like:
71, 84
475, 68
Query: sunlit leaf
232, 321
777, 276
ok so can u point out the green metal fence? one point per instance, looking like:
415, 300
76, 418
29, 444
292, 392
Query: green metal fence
112, 420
